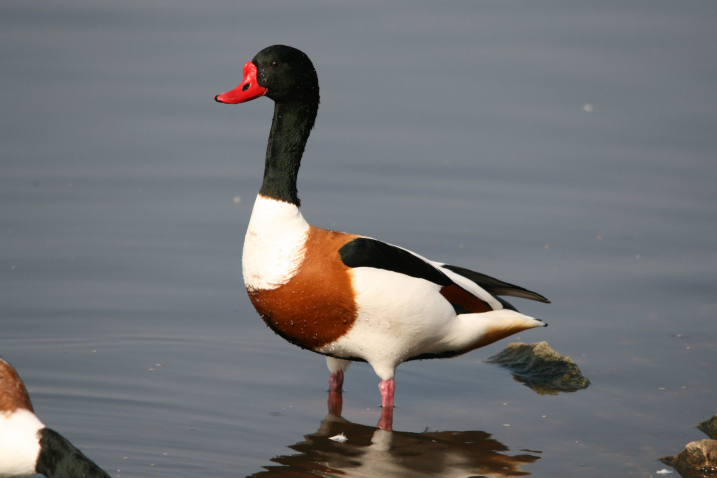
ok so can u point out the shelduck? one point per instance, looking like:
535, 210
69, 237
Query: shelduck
345, 296
27, 447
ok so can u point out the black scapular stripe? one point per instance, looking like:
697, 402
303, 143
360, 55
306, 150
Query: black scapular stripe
365, 252
60, 459
496, 287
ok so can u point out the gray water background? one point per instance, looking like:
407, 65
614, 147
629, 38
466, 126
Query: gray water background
568, 147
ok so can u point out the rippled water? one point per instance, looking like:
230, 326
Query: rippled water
570, 149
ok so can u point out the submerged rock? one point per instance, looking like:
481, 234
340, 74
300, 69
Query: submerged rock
541, 368
709, 427
697, 460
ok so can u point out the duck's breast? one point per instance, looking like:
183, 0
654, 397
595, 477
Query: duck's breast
313, 303
274, 244
19, 442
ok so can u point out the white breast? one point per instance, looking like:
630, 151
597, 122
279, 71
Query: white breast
274, 244
19, 443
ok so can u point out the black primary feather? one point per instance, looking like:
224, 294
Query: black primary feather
496, 287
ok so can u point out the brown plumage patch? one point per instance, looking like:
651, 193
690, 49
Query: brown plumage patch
498, 332
463, 298
317, 305
13, 394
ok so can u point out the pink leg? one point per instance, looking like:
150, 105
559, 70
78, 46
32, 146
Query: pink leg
387, 387
335, 404
336, 381
386, 420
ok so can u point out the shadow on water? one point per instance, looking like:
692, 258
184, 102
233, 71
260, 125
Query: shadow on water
371, 451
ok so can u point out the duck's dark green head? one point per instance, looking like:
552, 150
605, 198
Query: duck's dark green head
280, 72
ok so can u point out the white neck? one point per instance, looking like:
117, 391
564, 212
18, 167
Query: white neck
274, 244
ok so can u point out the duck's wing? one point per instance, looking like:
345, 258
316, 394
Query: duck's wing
465, 295
367, 252
495, 286
457, 283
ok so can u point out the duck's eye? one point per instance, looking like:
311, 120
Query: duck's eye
275, 63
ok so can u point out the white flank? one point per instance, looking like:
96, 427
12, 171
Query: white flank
19, 443
400, 317
274, 244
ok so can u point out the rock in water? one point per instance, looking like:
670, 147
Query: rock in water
709, 427
541, 368
697, 460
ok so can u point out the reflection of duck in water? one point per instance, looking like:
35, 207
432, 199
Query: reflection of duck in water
350, 297
27, 447
370, 451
